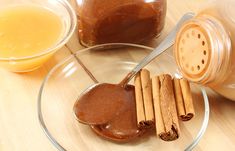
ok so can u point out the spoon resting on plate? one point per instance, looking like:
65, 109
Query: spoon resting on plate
102, 103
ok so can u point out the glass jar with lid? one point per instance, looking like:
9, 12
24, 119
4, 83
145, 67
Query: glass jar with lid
109, 21
205, 48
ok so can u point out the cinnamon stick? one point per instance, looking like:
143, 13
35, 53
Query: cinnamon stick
139, 102
179, 100
168, 109
143, 95
147, 97
159, 124
188, 100
184, 100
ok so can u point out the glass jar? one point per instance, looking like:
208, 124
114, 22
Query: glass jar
109, 21
205, 48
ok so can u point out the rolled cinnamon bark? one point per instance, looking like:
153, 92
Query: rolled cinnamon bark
144, 104
188, 100
147, 97
159, 124
139, 102
179, 100
183, 99
167, 108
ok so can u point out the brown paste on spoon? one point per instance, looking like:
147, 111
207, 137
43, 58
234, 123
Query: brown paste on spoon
110, 110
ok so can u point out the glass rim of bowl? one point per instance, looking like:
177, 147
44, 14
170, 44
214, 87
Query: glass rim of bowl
52, 139
59, 43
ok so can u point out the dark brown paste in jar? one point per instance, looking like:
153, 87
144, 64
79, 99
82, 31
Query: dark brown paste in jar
132, 21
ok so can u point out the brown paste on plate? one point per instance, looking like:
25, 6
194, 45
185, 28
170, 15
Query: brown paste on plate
110, 110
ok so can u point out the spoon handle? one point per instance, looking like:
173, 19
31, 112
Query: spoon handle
164, 45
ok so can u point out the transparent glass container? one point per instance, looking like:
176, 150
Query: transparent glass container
109, 63
205, 48
107, 21
31, 61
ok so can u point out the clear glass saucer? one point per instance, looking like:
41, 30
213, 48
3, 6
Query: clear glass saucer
108, 63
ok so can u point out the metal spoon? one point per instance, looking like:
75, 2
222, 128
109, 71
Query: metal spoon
95, 116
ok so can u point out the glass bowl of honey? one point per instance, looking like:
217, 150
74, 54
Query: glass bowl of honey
31, 31
109, 63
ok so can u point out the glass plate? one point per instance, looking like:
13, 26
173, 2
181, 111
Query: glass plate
108, 63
